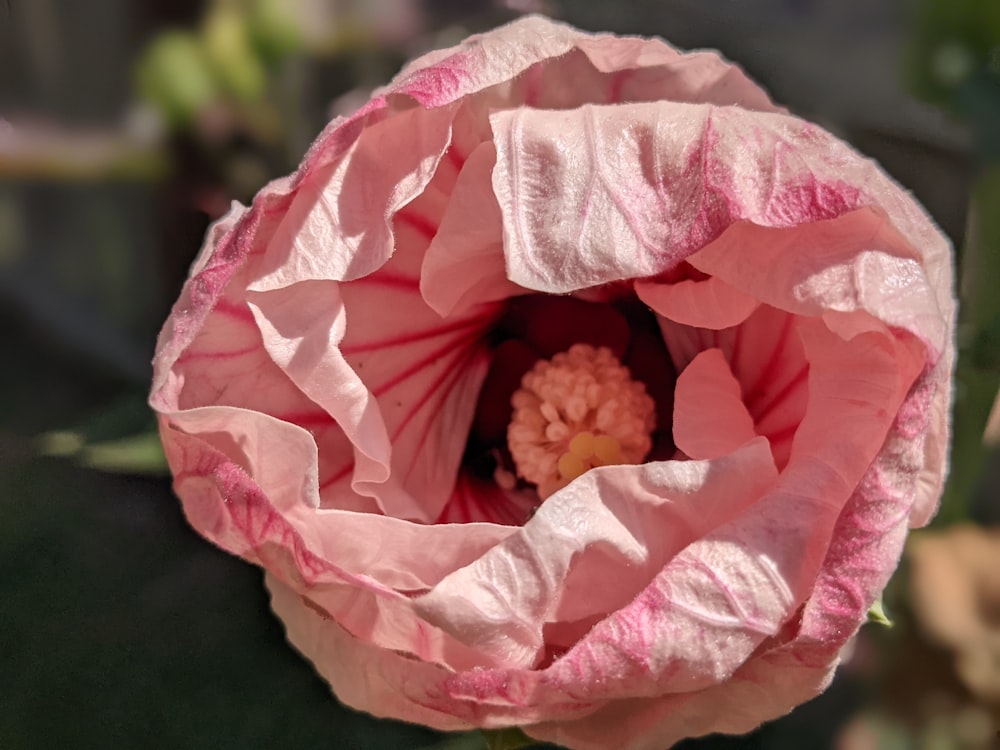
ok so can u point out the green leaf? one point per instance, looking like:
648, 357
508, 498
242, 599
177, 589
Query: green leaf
877, 614
226, 41
140, 454
174, 75
506, 739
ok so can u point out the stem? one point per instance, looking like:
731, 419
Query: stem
977, 381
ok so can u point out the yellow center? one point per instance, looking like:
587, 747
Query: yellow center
577, 411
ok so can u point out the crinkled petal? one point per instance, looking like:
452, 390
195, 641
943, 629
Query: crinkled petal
386, 683
682, 174
579, 67
379, 561
302, 326
398, 380
339, 224
212, 452
232, 246
768, 685
856, 262
604, 534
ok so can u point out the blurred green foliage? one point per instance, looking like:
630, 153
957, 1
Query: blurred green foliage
227, 57
954, 62
977, 375
174, 75
228, 45
273, 32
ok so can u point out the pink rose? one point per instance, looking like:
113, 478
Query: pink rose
727, 340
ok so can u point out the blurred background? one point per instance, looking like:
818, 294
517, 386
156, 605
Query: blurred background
126, 126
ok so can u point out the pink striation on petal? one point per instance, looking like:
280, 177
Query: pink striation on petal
412, 376
605, 534
765, 355
339, 225
555, 66
859, 270
680, 176
301, 326
484, 501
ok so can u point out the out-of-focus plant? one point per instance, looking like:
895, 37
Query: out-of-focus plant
228, 44
174, 76
955, 63
214, 80
274, 32
240, 47
241, 86
940, 681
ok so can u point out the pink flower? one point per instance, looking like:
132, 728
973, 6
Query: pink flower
628, 555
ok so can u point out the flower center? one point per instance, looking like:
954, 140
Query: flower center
578, 410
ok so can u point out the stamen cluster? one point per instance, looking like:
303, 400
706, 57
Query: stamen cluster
579, 410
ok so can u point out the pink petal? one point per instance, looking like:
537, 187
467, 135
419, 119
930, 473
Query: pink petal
765, 355
484, 501
272, 522
301, 327
859, 270
246, 438
710, 419
231, 247
649, 70
605, 534
398, 380
857, 262
936, 408
711, 303
871, 530
577, 68
680, 175
464, 264
339, 224
769, 685
211, 273
376, 680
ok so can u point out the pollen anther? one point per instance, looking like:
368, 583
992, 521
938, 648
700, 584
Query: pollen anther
577, 411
